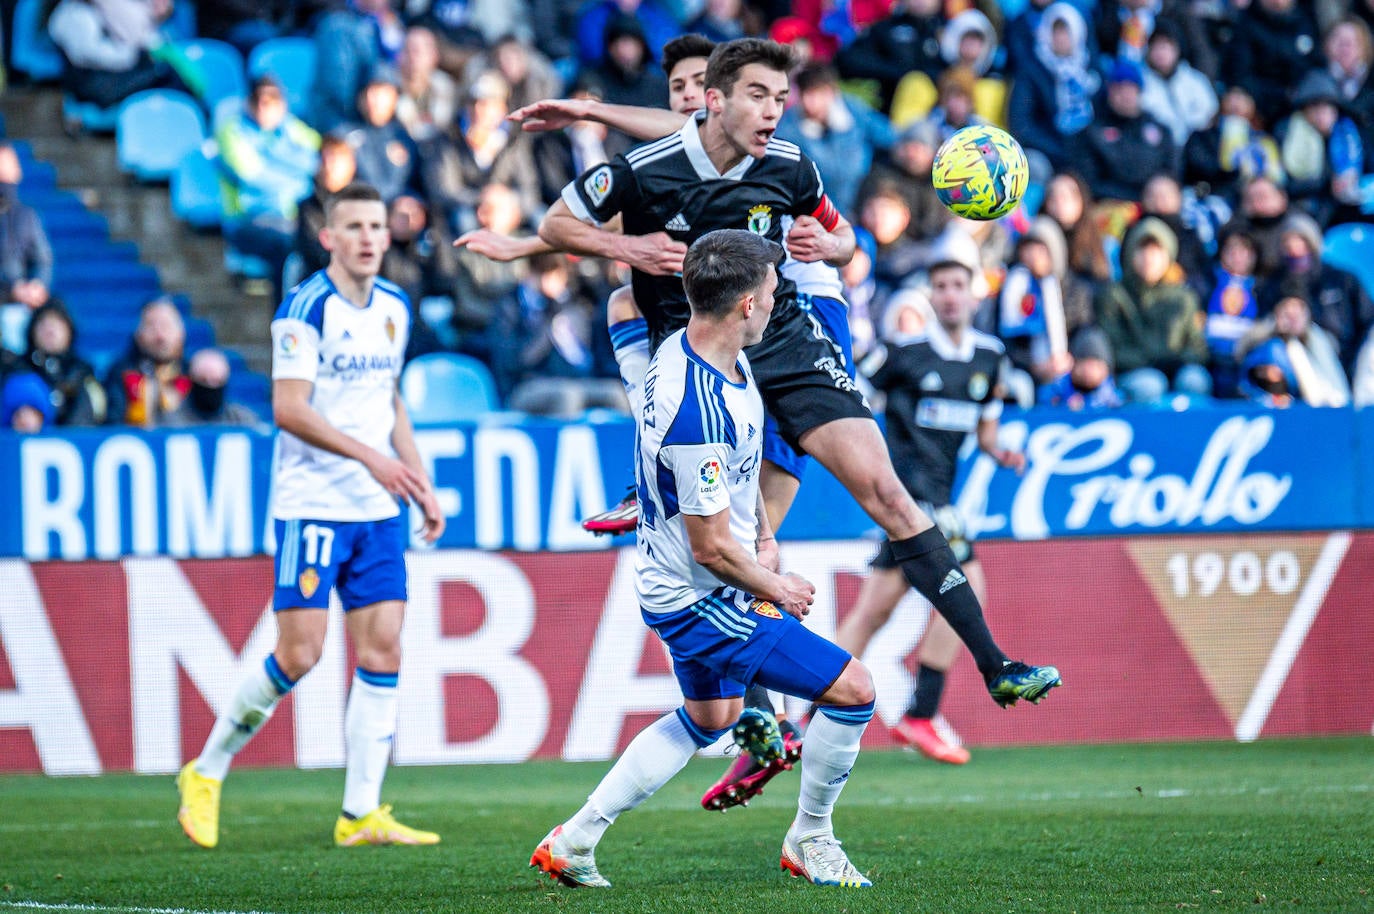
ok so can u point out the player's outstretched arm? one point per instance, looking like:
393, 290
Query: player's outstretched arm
657, 254
715, 548
557, 113
292, 412
809, 242
502, 248
403, 440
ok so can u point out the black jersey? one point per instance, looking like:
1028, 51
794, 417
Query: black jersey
670, 185
937, 393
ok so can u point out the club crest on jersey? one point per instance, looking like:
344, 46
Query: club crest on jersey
390, 330
932, 382
309, 582
978, 386
709, 473
766, 609
760, 219
598, 185
288, 343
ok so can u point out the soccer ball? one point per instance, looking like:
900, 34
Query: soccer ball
980, 172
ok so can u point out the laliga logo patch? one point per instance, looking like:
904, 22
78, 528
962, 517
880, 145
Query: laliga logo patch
309, 582
598, 185
288, 343
708, 471
766, 609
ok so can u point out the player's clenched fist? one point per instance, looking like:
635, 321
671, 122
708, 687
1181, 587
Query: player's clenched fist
796, 595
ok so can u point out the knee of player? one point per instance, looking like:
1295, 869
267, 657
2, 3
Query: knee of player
854, 687
621, 306
381, 658
298, 658
715, 717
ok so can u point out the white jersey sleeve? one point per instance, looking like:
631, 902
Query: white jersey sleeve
699, 471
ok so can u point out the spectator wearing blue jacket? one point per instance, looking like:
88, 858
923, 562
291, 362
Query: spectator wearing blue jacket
839, 134
269, 158
387, 157
1322, 151
1232, 308
658, 25
1088, 384
1053, 86
26, 403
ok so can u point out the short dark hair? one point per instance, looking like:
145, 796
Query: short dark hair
683, 47
814, 75
728, 59
724, 265
357, 191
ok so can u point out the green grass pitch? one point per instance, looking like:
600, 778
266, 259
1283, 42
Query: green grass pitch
1282, 824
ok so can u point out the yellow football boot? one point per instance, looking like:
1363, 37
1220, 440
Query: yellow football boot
199, 813
378, 827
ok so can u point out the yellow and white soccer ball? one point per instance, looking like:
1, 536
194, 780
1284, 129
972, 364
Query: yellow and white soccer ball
980, 172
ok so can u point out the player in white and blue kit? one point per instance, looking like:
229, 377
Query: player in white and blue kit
346, 463
707, 578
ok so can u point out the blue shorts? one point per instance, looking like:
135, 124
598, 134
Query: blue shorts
365, 560
729, 640
833, 315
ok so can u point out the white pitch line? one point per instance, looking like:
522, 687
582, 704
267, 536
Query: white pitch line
112, 909
1292, 638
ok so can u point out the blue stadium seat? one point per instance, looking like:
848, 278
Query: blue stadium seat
1351, 247
34, 53
156, 129
222, 65
446, 387
195, 188
74, 224
291, 60
89, 116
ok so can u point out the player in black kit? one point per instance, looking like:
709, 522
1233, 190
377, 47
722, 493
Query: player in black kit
723, 170
939, 388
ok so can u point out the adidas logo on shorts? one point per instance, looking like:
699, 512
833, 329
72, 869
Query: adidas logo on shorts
953, 580
677, 224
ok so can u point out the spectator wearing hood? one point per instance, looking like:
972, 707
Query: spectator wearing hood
627, 72
839, 134
1273, 45
1322, 151
1153, 321
1223, 157
388, 158
1020, 34
970, 40
1175, 94
907, 168
1338, 300
77, 396
1290, 339
1124, 147
1052, 92
655, 25
907, 40
26, 404
1088, 384
1163, 199
1232, 308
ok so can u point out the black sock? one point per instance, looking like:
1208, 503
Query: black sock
756, 696
930, 567
925, 701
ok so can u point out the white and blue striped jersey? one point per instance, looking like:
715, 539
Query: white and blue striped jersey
353, 356
699, 444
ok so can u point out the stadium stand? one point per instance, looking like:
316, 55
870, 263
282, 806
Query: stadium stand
447, 387
155, 130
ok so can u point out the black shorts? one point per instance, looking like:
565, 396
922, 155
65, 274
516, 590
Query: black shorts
802, 382
951, 527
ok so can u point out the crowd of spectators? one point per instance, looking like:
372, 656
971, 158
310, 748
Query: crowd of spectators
1187, 158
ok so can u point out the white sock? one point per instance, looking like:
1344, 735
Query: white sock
662, 750
832, 745
631, 341
369, 725
248, 710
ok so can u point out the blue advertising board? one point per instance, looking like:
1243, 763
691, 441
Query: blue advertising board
525, 485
